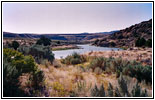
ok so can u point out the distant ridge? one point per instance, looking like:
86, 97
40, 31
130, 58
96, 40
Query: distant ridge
68, 36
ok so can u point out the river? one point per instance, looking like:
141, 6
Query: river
83, 49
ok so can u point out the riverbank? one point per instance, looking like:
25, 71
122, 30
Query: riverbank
64, 47
143, 55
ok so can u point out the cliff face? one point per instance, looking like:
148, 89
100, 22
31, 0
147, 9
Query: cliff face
128, 36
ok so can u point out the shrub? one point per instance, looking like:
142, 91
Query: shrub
19, 61
24, 49
58, 90
37, 79
81, 88
98, 92
44, 41
98, 70
140, 72
10, 81
99, 62
123, 86
74, 59
39, 52
110, 90
118, 66
15, 45
16, 64
56, 64
108, 64
117, 93
120, 91
137, 92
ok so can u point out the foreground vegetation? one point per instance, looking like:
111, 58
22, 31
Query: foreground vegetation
33, 71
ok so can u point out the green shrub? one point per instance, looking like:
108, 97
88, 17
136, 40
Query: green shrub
16, 64
99, 62
117, 93
121, 91
108, 64
139, 72
110, 90
137, 92
118, 66
10, 81
74, 59
24, 49
22, 63
98, 92
39, 52
123, 86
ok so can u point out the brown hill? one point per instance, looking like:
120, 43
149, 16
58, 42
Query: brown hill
127, 37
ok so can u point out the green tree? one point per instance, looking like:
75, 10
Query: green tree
58, 42
149, 43
140, 42
15, 45
44, 41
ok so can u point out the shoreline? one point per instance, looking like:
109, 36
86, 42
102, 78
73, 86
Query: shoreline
65, 47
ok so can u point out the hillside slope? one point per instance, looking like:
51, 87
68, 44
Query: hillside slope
127, 37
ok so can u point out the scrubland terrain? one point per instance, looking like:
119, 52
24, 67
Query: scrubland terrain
143, 55
95, 74
31, 69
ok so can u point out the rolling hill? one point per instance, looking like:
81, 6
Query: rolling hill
128, 36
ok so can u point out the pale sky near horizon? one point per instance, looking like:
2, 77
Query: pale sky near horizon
72, 17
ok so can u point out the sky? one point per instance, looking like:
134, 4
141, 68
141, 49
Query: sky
72, 17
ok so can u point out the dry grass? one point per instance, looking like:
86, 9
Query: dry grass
69, 76
142, 55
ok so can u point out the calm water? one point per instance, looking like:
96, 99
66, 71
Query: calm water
84, 49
